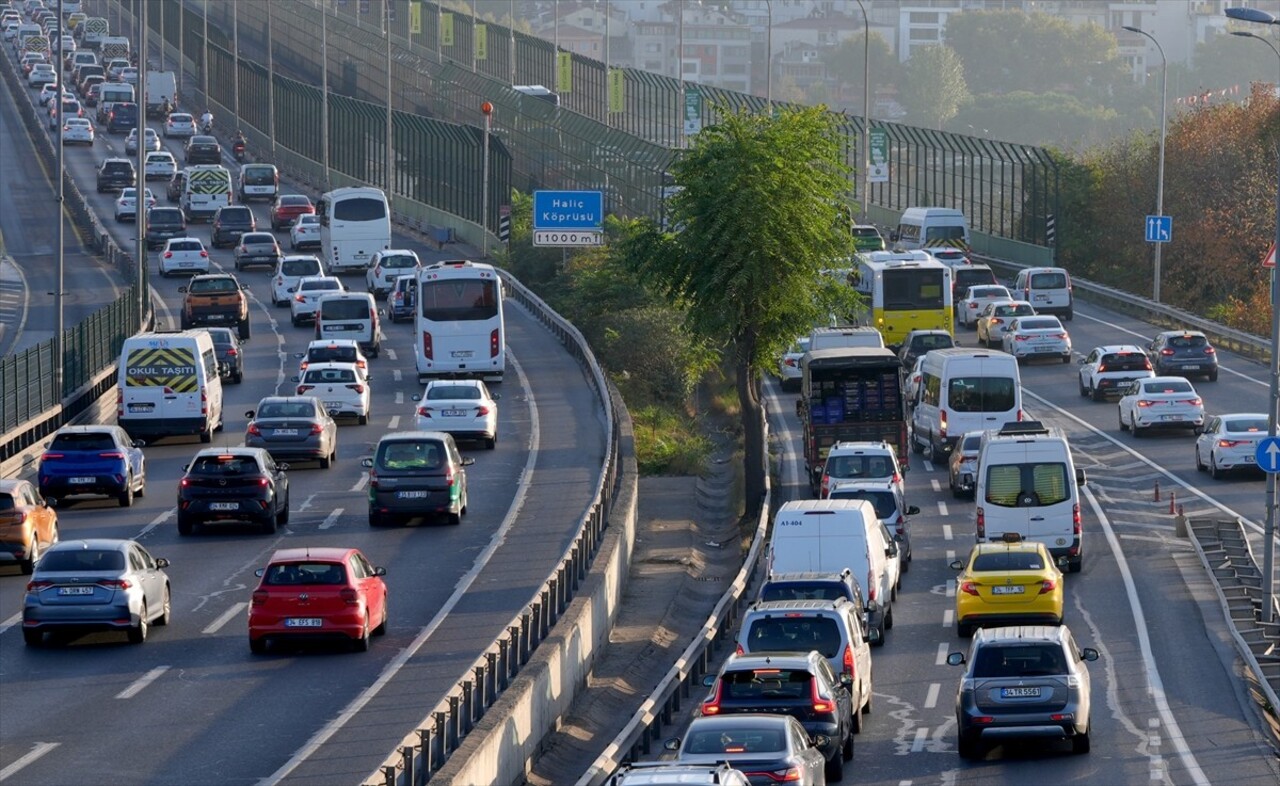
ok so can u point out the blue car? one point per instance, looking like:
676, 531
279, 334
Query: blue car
92, 460
402, 298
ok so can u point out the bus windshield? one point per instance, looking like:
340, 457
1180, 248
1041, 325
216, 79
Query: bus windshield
459, 299
913, 290
359, 209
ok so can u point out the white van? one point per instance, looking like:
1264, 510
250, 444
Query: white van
845, 338
923, 227
349, 315
1047, 289
169, 385
963, 390
1028, 484
206, 188
829, 535
112, 93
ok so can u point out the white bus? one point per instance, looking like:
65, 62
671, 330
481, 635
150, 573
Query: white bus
355, 223
459, 324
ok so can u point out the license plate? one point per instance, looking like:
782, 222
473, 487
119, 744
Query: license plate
412, 494
286, 432
302, 622
224, 506
216, 317
141, 407
1173, 417
186, 264
333, 405
83, 480
335, 327
453, 413
1009, 590
1042, 297
461, 353
75, 590
1192, 368
1020, 693
1249, 459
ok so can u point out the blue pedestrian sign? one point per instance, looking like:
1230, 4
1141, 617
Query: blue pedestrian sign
1159, 229
568, 210
1268, 454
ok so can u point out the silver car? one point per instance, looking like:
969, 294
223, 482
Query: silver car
97, 584
293, 428
257, 248
1023, 682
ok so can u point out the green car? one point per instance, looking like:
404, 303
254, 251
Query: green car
867, 238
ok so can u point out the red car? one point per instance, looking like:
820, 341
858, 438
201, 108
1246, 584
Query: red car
287, 208
316, 594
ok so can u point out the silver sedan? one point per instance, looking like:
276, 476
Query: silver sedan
293, 428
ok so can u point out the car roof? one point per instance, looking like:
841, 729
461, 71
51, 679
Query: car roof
286, 400
750, 660
316, 553
810, 575
741, 720
230, 451
184, 237
1173, 333
210, 276
332, 342
9, 484
331, 364
99, 428
1163, 380
1108, 349
856, 447
868, 484
999, 546
768, 607
411, 436
470, 383
84, 544
1021, 633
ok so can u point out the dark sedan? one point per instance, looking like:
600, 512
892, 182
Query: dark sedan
293, 427
233, 484
768, 749
203, 150
257, 248
92, 460
226, 344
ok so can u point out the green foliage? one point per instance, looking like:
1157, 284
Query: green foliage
668, 441
936, 87
535, 267
1043, 119
844, 62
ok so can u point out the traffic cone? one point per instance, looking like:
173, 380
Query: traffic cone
1157, 494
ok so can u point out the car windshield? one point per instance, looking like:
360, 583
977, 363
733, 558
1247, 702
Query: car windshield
338, 375
795, 634
300, 267
83, 440
224, 465
729, 740
1008, 560
213, 285
982, 394
1125, 361
258, 237
1027, 485
859, 466
1187, 342
439, 392
295, 201
399, 261
1048, 281
883, 501
325, 285
1040, 324
803, 590
286, 409
293, 573
82, 560
1019, 660
1169, 386
411, 455
308, 219
331, 354
186, 245
1245, 425
766, 683
971, 443
259, 175
344, 309
932, 341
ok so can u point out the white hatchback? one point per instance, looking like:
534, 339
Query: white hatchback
861, 461
127, 203
183, 255
289, 271
305, 232
1230, 442
77, 130
977, 299
1036, 337
1160, 402
159, 165
387, 266
179, 125
462, 407
341, 386
306, 297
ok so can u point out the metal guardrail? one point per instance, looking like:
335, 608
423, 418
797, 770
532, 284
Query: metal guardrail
442, 730
685, 677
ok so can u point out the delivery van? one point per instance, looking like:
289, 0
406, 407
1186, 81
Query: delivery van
169, 385
1047, 289
207, 188
830, 535
963, 390
1028, 484
349, 315
926, 227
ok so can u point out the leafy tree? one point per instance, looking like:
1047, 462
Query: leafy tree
1042, 119
844, 63
758, 214
936, 88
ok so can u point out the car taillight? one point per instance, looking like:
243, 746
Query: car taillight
304, 388
204, 254
48, 456
264, 482
997, 321
448, 477
738, 650
1062, 336
826, 485
300, 298
204, 403
1047, 586
969, 588
942, 423
972, 304
495, 343
789, 775
357, 388
168, 255
789, 362
871, 594
1146, 365
1166, 352
897, 477
426, 346
981, 524
1101, 369
423, 412
482, 410
712, 705
1145, 403
848, 660
258, 597
1195, 402
254, 430
112, 454
1075, 519
121, 584
820, 703
1022, 338
184, 482
1231, 443
38, 584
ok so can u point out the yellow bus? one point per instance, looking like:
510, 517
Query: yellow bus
903, 291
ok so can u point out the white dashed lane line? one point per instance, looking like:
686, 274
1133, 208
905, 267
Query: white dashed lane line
37, 750
142, 682
224, 618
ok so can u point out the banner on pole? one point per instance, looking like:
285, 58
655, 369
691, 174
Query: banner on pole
446, 30
878, 152
482, 42
564, 72
617, 90
415, 17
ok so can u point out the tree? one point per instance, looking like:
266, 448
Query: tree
759, 222
1042, 119
936, 88
844, 63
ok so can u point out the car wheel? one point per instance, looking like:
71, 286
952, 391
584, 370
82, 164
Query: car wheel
238, 378
1066, 359
185, 525
963, 630
1213, 375
888, 619
1133, 426
381, 630
491, 442
206, 436
126, 496
1097, 395
295, 321
454, 519
166, 608
1214, 472
33, 638
956, 493
1200, 467
245, 330
326, 461
282, 517
29, 564
362, 419
854, 728
835, 769
1075, 564
258, 646
138, 633
268, 524
1083, 390
1120, 419
968, 747
1080, 743
361, 644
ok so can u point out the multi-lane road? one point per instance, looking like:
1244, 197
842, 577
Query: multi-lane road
193, 705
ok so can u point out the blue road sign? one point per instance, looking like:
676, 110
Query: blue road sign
1268, 454
1159, 229
577, 210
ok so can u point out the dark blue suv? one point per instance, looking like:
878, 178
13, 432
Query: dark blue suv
123, 117
98, 460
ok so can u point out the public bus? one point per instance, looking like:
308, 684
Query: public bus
355, 223
903, 291
459, 326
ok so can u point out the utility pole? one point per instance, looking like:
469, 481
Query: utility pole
140, 183
204, 55
324, 92
235, 61
59, 330
271, 84
487, 109
390, 174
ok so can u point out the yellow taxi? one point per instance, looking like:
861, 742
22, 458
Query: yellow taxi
1007, 582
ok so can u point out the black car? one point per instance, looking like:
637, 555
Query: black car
123, 117
417, 473
801, 685
919, 342
226, 345
233, 484
115, 174
230, 222
164, 223
1185, 353
966, 276
203, 149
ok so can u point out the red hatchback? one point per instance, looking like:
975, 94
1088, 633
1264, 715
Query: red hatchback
287, 208
318, 593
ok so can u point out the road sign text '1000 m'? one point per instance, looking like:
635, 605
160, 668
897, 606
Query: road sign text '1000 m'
549, 237
568, 218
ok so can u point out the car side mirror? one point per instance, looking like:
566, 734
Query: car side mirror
820, 740
955, 659
1089, 654
1198, 430
161, 562
139, 443
186, 467
467, 461
295, 378
282, 467
291, 290
672, 744
957, 565
415, 397
244, 287
259, 572
873, 605
249, 414
1062, 562
182, 290
1080, 362
1081, 477
366, 462
913, 510
299, 355
846, 679
873, 635
708, 680
379, 571
495, 396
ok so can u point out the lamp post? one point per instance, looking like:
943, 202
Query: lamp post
487, 109
1273, 403
865, 193
389, 177
1164, 105
768, 56
204, 55
324, 92
59, 324
235, 61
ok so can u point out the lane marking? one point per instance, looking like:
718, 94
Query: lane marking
37, 750
394, 423
941, 660
157, 521
398, 662
9, 623
942, 508
931, 698
948, 617
917, 744
936, 485
928, 465
391, 354
397, 375
225, 617
951, 556
399, 397
360, 483
331, 519
946, 531
142, 682
951, 588
306, 503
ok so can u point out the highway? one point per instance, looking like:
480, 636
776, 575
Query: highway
28, 246
192, 705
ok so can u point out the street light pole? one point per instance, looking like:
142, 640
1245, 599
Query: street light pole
768, 56
204, 55
1164, 107
324, 92
271, 85
390, 173
59, 328
865, 193
487, 109
235, 61
1273, 403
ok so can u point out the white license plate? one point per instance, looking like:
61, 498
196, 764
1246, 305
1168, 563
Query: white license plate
333, 405
216, 317
1020, 693
141, 407
1191, 368
224, 506
75, 590
1042, 297
302, 622
286, 432
461, 353
453, 413
82, 480
335, 327
412, 494
186, 264
1249, 459
1009, 590
1173, 417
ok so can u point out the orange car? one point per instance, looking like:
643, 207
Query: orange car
27, 524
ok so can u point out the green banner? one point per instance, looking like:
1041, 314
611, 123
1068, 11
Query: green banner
564, 72
617, 90
481, 39
446, 30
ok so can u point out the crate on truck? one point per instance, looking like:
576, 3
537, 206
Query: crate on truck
850, 395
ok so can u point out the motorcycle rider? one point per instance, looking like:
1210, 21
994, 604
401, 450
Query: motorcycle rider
165, 107
206, 122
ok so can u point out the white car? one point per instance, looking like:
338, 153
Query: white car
289, 270
1037, 337
159, 165
861, 461
49, 91
179, 125
127, 203
1160, 402
386, 266
150, 142
462, 407
306, 297
41, 74
183, 255
977, 299
913, 381
129, 76
1230, 442
10, 31
995, 318
789, 372
305, 232
1109, 369
77, 130
949, 255
333, 350
341, 386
